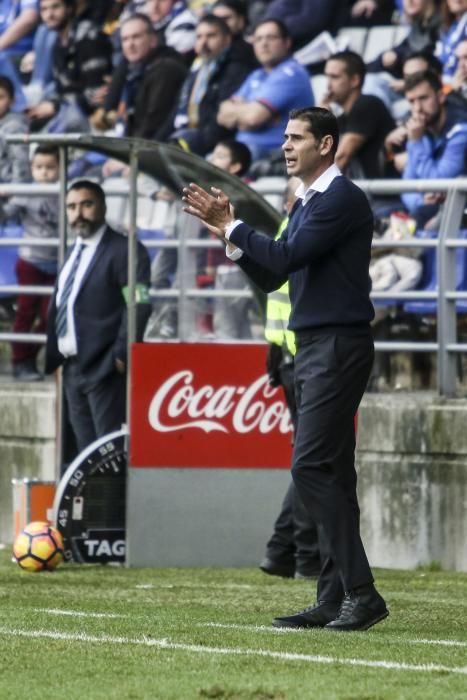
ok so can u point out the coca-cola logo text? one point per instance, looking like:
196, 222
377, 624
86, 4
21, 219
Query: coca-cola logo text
178, 404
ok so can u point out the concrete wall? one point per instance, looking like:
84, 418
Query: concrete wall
27, 440
412, 460
412, 464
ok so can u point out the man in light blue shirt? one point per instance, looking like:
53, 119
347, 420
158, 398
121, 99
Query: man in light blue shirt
260, 108
18, 20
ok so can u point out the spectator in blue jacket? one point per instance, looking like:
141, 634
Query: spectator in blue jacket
18, 20
436, 142
260, 108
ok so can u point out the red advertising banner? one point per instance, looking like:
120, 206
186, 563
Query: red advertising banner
206, 405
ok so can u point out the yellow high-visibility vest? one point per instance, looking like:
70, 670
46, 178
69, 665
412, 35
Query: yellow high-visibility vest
278, 311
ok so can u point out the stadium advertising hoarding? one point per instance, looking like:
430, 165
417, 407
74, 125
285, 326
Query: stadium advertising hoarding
206, 405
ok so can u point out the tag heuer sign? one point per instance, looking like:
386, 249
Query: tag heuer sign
89, 505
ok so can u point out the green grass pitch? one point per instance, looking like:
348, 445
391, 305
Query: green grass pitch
174, 634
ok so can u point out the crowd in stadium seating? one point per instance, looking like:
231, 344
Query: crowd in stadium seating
199, 72
195, 73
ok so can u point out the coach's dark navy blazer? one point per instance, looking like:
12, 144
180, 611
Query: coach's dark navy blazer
324, 253
100, 310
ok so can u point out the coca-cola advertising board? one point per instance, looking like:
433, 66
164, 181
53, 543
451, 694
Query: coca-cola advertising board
206, 405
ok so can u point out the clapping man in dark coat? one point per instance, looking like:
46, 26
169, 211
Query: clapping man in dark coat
324, 253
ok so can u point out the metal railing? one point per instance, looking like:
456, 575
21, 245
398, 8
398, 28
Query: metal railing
446, 345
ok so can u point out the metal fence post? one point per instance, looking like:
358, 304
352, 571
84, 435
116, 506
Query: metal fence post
188, 228
132, 261
446, 269
62, 420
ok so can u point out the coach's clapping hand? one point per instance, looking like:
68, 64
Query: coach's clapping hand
214, 210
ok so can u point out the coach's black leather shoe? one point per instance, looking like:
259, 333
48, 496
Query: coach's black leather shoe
275, 567
361, 608
317, 615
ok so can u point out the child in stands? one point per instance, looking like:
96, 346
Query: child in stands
36, 265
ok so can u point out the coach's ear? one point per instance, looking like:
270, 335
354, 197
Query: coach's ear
326, 145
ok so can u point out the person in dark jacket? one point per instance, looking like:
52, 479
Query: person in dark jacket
145, 88
87, 320
324, 253
216, 74
234, 14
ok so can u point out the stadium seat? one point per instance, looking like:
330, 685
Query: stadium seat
116, 203
145, 234
317, 50
273, 190
401, 33
429, 280
9, 256
353, 38
429, 307
318, 85
379, 39
461, 274
428, 274
144, 211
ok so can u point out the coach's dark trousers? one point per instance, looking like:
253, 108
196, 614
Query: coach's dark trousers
331, 372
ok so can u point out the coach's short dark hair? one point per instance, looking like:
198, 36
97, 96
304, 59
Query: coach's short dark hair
7, 85
91, 186
321, 122
354, 63
423, 76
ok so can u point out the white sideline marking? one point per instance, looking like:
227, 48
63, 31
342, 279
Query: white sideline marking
248, 628
75, 613
196, 648
294, 630
223, 586
251, 628
441, 642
